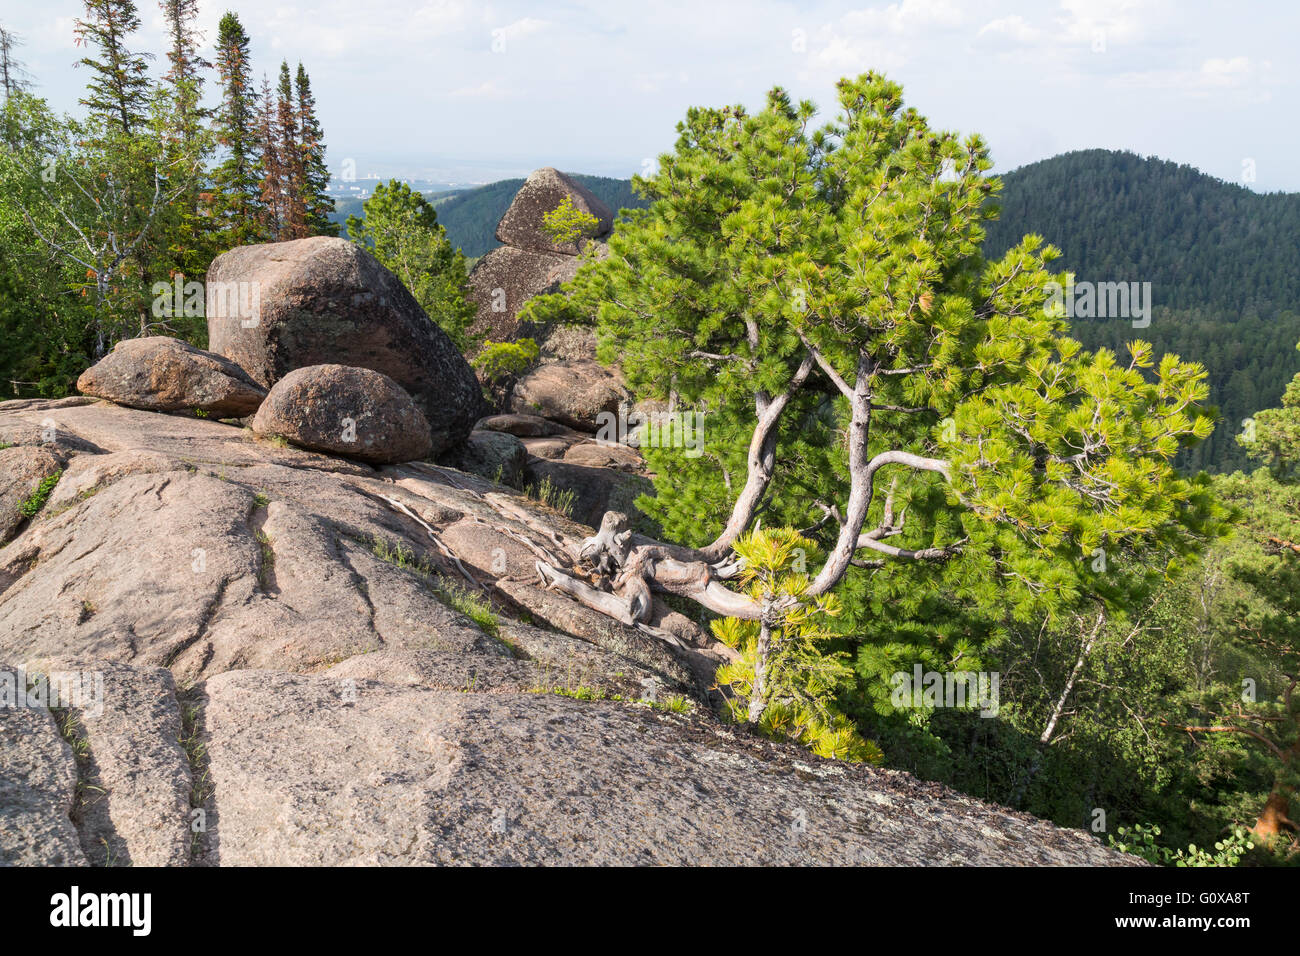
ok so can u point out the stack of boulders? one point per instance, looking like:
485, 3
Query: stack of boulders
560, 411
531, 262
314, 343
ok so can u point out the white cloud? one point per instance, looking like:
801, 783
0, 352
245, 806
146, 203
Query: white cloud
1110, 23
1226, 72
876, 38
520, 28
1009, 33
1239, 75
908, 16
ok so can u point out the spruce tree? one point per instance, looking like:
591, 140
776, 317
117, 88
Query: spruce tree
129, 134
184, 76
317, 204
13, 72
189, 224
236, 180
270, 170
118, 89
293, 217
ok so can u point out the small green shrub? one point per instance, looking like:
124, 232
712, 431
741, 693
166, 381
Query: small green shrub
456, 596
473, 606
501, 359
1140, 841
567, 223
31, 506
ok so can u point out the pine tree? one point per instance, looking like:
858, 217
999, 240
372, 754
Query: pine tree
317, 204
819, 296
119, 85
236, 180
293, 220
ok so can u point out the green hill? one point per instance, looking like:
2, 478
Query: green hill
1223, 263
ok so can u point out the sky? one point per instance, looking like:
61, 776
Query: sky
456, 90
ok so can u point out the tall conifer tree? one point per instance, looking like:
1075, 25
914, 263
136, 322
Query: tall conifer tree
189, 226
237, 179
118, 89
270, 168
293, 218
317, 204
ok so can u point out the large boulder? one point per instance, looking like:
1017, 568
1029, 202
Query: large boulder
540, 194
321, 300
521, 426
504, 279
605, 455
572, 393
162, 374
345, 410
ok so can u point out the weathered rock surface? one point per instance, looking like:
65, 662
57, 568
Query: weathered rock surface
38, 782
542, 192
22, 469
133, 806
567, 343
549, 448
605, 455
344, 410
163, 374
572, 393
407, 774
490, 454
340, 711
325, 300
521, 426
595, 490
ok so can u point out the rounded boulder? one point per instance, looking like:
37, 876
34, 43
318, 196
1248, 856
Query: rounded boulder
344, 410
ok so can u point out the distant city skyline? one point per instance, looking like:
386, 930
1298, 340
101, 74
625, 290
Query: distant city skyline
453, 91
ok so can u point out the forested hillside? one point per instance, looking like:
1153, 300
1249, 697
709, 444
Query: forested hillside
1223, 263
